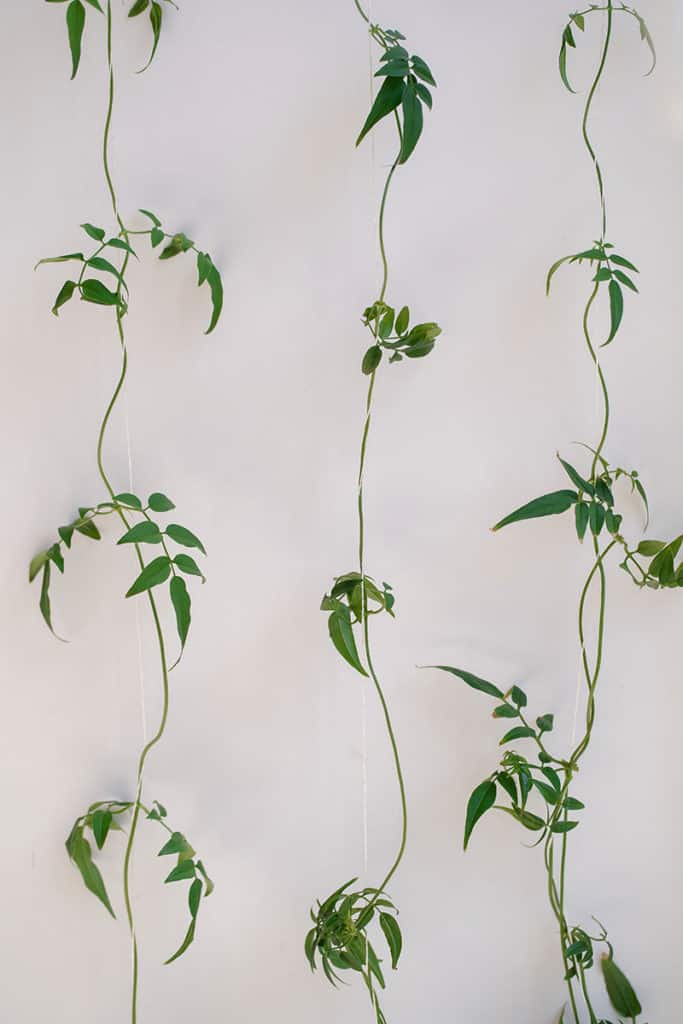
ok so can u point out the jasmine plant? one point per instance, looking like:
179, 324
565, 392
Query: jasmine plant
340, 938
100, 278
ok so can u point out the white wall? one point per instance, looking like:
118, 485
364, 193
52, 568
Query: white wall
242, 134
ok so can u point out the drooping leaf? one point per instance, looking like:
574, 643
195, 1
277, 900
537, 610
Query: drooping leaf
581, 515
138, 7
152, 216
181, 535
616, 309
547, 505
482, 800
177, 844
188, 565
79, 850
65, 293
156, 572
341, 635
180, 599
371, 360
413, 118
75, 23
187, 941
182, 871
474, 681
101, 823
388, 98
216, 288
392, 934
576, 478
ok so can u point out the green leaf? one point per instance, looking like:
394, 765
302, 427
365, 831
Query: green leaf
119, 243
581, 516
625, 279
392, 934
99, 263
412, 122
482, 800
156, 237
621, 262
179, 243
93, 232
423, 71
474, 681
525, 818
402, 320
547, 505
142, 533
159, 502
188, 565
44, 603
101, 823
182, 871
181, 535
518, 697
505, 711
216, 287
520, 732
562, 827
138, 7
208, 884
547, 792
158, 571
562, 61
187, 941
619, 989
152, 216
75, 23
424, 94
388, 98
37, 563
194, 896
181, 605
87, 528
156, 19
93, 290
553, 270
80, 853
130, 500
371, 360
61, 259
545, 723
650, 547
576, 478
176, 844
596, 517
65, 293
616, 309
578, 20
572, 804
341, 635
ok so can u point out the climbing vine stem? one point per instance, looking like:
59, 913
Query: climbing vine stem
137, 517
340, 935
593, 500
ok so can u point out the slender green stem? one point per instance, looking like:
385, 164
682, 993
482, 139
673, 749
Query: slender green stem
361, 12
586, 114
100, 464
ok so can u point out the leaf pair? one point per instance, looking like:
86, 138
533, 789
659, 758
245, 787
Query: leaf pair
83, 525
352, 596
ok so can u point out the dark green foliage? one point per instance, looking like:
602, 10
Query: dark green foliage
391, 333
339, 937
350, 595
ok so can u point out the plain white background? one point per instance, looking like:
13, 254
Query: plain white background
242, 135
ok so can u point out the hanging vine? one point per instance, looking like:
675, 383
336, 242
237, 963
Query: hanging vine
102, 280
340, 935
518, 781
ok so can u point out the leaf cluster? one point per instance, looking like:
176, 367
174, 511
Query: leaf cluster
403, 92
577, 20
100, 820
146, 531
351, 598
610, 270
393, 333
76, 18
339, 937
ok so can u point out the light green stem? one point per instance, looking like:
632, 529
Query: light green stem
152, 603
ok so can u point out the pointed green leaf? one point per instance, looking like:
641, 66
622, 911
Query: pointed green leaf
181, 605
182, 871
101, 823
176, 844
392, 934
65, 293
93, 232
412, 122
188, 565
187, 941
388, 98
547, 505
80, 853
616, 309
75, 23
341, 634
520, 732
158, 571
474, 681
482, 800
181, 535
159, 502
94, 291
142, 533
216, 288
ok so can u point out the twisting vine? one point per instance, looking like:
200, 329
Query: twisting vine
339, 936
592, 497
138, 518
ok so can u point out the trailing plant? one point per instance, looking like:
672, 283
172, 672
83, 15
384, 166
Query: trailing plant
340, 937
102, 280
534, 783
